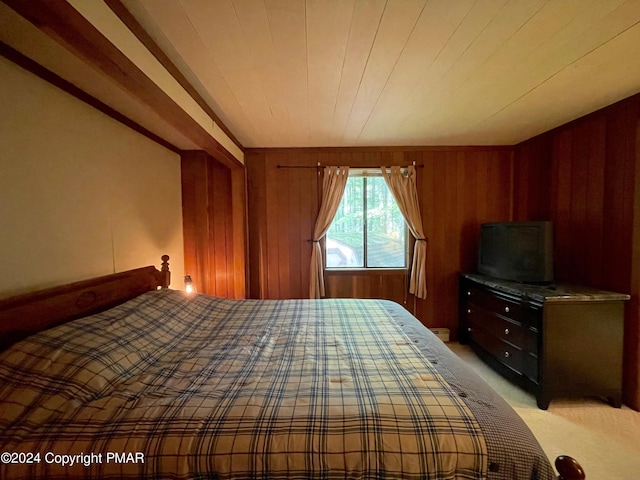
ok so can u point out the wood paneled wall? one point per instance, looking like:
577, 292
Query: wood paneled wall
459, 188
388, 284
282, 208
585, 177
214, 224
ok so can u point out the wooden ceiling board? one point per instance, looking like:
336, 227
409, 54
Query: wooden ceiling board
602, 68
172, 30
364, 26
398, 22
312, 73
485, 49
257, 35
222, 36
376, 72
587, 15
436, 25
508, 73
328, 25
410, 115
547, 63
503, 25
478, 100
287, 19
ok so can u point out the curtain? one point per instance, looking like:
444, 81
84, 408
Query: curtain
333, 184
405, 193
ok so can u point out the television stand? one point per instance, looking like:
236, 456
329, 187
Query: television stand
555, 341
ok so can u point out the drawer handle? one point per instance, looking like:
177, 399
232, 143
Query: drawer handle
507, 354
468, 293
469, 329
468, 310
506, 309
506, 331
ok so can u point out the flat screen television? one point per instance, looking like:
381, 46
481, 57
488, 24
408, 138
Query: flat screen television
517, 251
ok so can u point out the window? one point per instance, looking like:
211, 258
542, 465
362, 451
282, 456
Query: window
368, 230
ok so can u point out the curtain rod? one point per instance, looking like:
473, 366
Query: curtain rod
350, 166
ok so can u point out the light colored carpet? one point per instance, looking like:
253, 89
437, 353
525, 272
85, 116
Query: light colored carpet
605, 440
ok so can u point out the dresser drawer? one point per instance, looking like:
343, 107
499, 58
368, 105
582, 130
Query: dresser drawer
507, 308
498, 326
493, 303
505, 353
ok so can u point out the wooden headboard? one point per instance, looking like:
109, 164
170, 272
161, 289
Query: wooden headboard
30, 313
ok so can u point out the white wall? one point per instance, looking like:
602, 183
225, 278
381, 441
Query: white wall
81, 195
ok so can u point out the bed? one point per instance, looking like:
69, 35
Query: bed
121, 377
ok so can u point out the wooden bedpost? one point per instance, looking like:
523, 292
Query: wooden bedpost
569, 469
164, 270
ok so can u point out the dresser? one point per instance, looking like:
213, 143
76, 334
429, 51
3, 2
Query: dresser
555, 341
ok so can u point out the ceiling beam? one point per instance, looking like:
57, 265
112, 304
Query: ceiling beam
130, 21
63, 23
38, 70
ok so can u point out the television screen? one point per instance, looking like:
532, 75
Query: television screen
518, 251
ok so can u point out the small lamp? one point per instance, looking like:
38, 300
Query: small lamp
188, 284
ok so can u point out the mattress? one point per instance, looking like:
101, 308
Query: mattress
175, 386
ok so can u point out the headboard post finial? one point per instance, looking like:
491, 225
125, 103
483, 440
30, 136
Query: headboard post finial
166, 274
569, 468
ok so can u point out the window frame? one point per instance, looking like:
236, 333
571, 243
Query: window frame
364, 173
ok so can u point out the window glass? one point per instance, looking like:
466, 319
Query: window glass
368, 230
385, 227
344, 245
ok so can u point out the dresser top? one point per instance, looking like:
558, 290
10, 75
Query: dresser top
547, 293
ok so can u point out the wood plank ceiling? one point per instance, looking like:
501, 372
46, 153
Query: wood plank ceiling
292, 73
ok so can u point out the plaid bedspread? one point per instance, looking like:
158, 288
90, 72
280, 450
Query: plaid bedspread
170, 386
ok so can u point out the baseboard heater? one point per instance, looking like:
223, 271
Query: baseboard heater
441, 333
